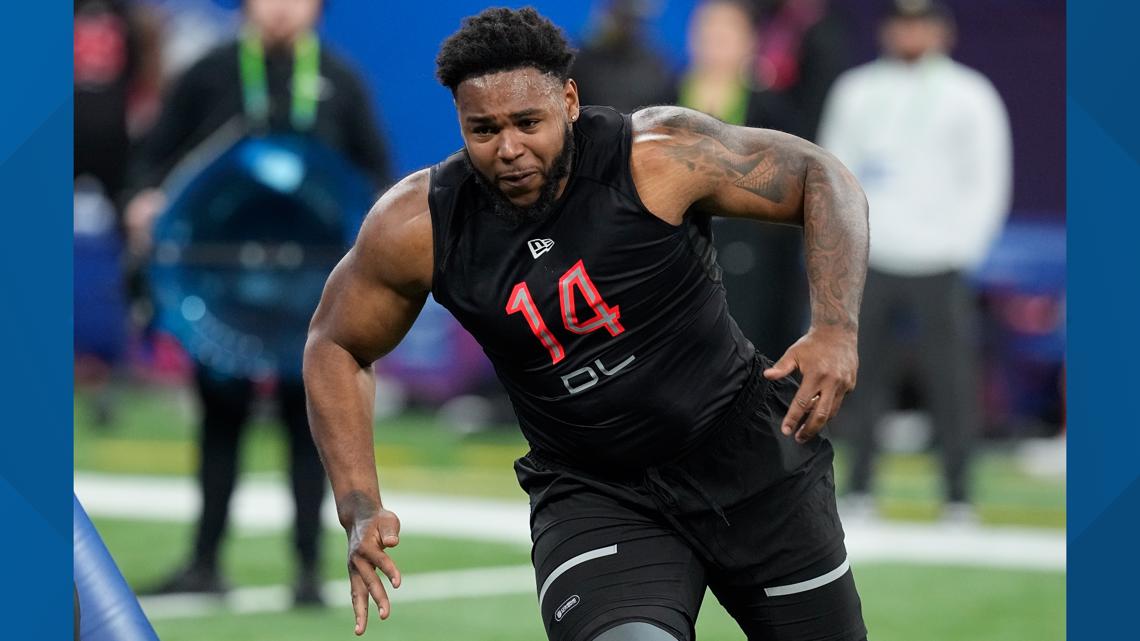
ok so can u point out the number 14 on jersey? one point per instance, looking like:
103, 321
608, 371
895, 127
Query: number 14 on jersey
576, 278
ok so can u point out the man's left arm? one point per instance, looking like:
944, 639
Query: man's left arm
684, 160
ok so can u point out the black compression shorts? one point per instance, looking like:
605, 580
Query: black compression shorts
749, 514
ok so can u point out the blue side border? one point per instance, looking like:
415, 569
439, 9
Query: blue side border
35, 324
1104, 221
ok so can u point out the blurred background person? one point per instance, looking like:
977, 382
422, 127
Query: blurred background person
275, 78
763, 266
618, 65
721, 42
802, 48
116, 77
106, 62
929, 140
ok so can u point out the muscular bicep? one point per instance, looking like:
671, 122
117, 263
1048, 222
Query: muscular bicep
376, 291
362, 314
686, 160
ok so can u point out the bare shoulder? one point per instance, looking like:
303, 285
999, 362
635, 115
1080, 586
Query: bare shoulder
400, 211
374, 294
685, 135
665, 173
653, 123
395, 241
659, 131
683, 158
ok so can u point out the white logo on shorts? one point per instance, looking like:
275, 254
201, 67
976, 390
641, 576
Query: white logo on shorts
566, 606
539, 246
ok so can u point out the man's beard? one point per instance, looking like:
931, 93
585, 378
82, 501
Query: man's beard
542, 206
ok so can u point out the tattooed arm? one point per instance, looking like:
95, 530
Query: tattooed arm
686, 161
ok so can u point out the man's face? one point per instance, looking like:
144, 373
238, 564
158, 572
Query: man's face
720, 38
281, 21
516, 128
911, 38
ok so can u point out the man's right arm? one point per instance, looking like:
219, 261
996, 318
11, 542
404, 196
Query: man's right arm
369, 303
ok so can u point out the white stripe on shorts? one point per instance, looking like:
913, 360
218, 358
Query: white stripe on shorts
810, 584
578, 560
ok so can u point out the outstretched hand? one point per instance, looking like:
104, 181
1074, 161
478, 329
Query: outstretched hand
828, 360
368, 539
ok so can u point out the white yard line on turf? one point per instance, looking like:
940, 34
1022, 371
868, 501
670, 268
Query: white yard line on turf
261, 506
429, 586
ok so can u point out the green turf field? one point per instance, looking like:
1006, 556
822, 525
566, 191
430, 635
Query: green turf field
152, 434
901, 602
511, 618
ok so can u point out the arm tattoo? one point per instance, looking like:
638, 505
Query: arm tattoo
790, 174
705, 146
835, 245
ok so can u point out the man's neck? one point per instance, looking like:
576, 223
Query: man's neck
274, 45
932, 54
278, 46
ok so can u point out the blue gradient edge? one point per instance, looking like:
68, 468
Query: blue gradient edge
1103, 141
35, 264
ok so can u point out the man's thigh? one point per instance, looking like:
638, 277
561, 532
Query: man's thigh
795, 583
600, 564
825, 607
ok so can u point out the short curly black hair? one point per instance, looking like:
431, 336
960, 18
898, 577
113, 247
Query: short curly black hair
501, 39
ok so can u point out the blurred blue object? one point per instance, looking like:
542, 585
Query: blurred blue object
243, 251
1023, 283
1022, 289
1029, 256
108, 608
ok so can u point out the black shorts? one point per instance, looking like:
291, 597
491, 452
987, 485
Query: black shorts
749, 513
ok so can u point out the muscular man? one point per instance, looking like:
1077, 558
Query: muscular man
666, 455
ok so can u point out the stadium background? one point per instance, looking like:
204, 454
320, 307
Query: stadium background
474, 567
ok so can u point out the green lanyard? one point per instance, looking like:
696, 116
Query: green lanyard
306, 80
735, 112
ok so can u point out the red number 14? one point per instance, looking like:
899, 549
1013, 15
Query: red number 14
605, 316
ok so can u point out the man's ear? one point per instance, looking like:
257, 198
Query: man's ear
570, 96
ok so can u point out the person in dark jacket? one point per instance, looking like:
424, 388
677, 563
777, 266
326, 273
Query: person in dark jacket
275, 78
617, 65
801, 50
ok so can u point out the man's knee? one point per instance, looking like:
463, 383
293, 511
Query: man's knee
635, 631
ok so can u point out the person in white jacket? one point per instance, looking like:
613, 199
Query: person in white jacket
929, 140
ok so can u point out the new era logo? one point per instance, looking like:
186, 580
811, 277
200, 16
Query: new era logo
539, 246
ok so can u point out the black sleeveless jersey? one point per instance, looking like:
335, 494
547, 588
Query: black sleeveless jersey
607, 326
